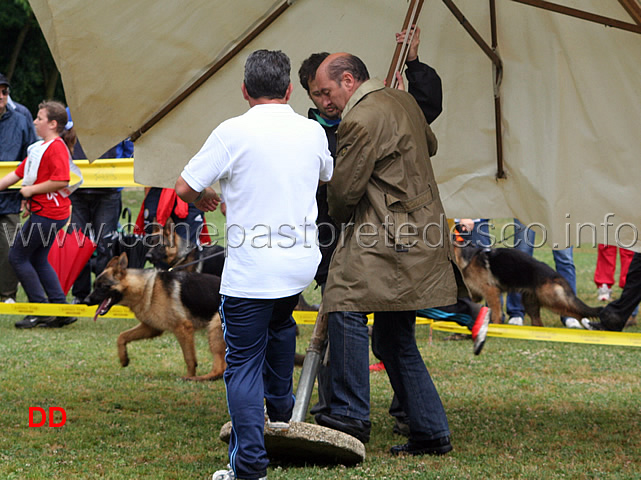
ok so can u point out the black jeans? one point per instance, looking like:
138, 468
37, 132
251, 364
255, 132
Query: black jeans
631, 295
96, 215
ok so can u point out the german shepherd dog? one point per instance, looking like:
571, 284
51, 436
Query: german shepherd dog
173, 251
176, 301
489, 272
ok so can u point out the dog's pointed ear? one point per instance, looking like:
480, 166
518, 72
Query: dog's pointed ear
170, 233
169, 226
123, 261
156, 228
112, 263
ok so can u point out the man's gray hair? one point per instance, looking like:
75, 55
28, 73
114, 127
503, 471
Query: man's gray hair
347, 63
267, 74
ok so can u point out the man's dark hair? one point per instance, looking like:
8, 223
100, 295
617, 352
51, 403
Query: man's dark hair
307, 70
347, 63
267, 74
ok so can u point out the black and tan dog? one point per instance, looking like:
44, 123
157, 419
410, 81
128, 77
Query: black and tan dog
489, 272
177, 301
172, 251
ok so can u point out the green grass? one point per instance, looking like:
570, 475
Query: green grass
521, 410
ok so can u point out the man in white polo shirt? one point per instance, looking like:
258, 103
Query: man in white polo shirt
269, 162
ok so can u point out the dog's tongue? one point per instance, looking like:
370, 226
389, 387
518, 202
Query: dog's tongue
103, 308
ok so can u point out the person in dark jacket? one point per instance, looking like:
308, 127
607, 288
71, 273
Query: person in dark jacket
16, 134
96, 212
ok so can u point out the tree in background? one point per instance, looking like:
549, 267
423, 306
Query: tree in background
25, 57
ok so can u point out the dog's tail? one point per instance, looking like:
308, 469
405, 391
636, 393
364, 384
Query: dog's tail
559, 297
578, 309
585, 311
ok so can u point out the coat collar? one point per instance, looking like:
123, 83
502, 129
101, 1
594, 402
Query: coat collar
366, 88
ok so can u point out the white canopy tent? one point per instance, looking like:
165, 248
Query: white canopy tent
570, 103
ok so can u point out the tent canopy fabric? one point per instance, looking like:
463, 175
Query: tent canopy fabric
569, 93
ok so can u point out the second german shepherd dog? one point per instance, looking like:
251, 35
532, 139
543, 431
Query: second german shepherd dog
179, 302
173, 251
488, 272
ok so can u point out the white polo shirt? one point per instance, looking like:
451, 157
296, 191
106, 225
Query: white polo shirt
268, 162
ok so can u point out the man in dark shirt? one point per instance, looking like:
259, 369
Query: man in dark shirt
15, 136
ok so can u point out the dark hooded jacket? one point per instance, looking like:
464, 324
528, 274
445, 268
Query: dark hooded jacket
15, 136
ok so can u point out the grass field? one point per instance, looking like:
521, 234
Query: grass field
520, 410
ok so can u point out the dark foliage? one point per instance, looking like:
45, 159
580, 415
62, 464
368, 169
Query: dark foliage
25, 57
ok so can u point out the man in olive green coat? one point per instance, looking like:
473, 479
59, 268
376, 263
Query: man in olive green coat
393, 257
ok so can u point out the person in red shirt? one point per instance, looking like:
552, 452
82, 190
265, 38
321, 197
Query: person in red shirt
45, 175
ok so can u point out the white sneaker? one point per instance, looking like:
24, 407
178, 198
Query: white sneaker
228, 475
224, 475
572, 323
9, 300
604, 293
515, 321
278, 425
587, 324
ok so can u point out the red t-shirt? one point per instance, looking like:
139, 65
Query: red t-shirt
54, 165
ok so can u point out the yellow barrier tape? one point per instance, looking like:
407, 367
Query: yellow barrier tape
103, 173
66, 310
543, 334
548, 334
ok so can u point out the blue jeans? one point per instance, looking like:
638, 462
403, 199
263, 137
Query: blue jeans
261, 343
394, 342
28, 257
96, 215
8, 281
563, 260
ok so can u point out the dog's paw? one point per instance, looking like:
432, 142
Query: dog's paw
210, 377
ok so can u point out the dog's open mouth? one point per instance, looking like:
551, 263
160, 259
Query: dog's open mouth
103, 308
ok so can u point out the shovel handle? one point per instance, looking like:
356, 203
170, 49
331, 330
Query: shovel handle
310, 368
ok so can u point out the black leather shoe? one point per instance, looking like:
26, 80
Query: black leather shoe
351, 426
58, 322
437, 446
611, 321
31, 321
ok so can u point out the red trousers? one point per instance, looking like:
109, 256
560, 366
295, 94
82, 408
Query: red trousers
606, 265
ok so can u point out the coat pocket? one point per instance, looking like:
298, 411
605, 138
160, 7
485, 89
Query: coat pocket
401, 230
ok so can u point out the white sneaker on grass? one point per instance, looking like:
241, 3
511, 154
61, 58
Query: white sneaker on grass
604, 293
515, 321
572, 323
228, 475
224, 475
280, 426
587, 324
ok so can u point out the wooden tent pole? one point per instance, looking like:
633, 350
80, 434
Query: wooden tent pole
210, 72
473, 33
498, 76
400, 53
497, 65
633, 8
591, 17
